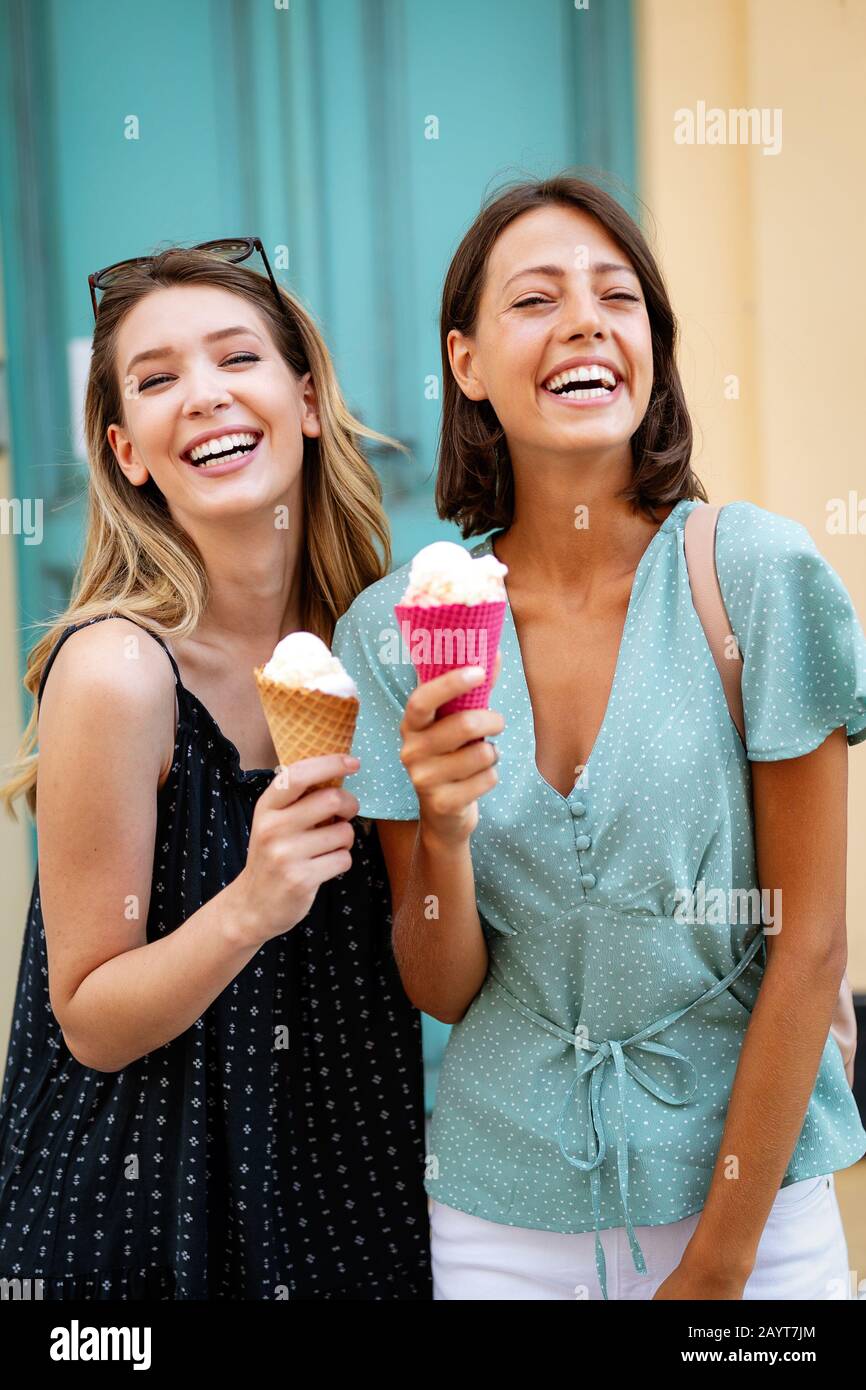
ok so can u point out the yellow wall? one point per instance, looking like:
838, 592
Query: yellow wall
761, 255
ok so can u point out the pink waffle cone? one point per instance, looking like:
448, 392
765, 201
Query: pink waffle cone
459, 634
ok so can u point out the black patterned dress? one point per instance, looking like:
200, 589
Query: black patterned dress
276, 1148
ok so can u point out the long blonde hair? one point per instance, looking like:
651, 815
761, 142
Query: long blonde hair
139, 564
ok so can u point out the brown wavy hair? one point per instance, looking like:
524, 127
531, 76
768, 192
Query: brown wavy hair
475, 481
138, 563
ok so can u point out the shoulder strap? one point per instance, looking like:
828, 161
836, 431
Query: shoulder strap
100, 617
699, 544
67, 632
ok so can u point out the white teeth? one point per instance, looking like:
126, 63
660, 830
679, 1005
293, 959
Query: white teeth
593, 372
225, 458
224, 441
596, 391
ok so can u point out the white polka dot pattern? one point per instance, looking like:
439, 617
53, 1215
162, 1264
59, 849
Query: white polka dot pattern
579, 895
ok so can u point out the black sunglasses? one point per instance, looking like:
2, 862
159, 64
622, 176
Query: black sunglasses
232, 249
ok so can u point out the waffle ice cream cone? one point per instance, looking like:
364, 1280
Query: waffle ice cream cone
310, 702
451, 615
307, 723
453, 635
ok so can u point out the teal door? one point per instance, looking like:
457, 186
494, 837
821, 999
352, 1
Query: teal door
355, 137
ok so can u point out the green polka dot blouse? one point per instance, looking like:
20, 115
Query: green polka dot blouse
587, 1084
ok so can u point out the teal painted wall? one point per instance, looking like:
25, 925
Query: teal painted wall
305, 126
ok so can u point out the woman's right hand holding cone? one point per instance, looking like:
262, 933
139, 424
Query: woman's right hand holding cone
449, 760
295, 846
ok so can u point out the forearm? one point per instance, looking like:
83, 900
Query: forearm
140, 1000
438, 942
772, 1087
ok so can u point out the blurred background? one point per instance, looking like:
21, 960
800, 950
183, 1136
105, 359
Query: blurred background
357, 139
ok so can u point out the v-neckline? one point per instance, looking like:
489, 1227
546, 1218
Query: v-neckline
487, 545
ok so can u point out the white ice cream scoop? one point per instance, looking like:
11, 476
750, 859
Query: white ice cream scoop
303, 659
444, 572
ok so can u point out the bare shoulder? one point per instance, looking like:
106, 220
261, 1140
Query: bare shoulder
112, 677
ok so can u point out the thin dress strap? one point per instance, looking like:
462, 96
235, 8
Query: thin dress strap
100, 617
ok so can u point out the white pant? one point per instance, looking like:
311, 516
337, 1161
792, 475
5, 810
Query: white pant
802, 1254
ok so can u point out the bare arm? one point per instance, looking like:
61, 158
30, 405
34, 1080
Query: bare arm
791, 1019
106, 732
438, 942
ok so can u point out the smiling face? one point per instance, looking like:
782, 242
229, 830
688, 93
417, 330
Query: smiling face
559, 294
197, 366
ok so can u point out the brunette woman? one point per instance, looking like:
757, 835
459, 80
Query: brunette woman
619, 1081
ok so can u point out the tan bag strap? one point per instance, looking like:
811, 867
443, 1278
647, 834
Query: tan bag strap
699, 543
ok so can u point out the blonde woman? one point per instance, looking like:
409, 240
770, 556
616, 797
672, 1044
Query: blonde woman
214, 1084
636, 1101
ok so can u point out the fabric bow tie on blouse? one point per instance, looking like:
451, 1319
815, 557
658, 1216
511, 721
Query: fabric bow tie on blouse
618, 1052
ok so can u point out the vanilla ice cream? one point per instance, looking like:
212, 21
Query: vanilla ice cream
302, 659
446, 573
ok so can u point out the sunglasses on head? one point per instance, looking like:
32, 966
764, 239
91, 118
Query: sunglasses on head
232, 249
